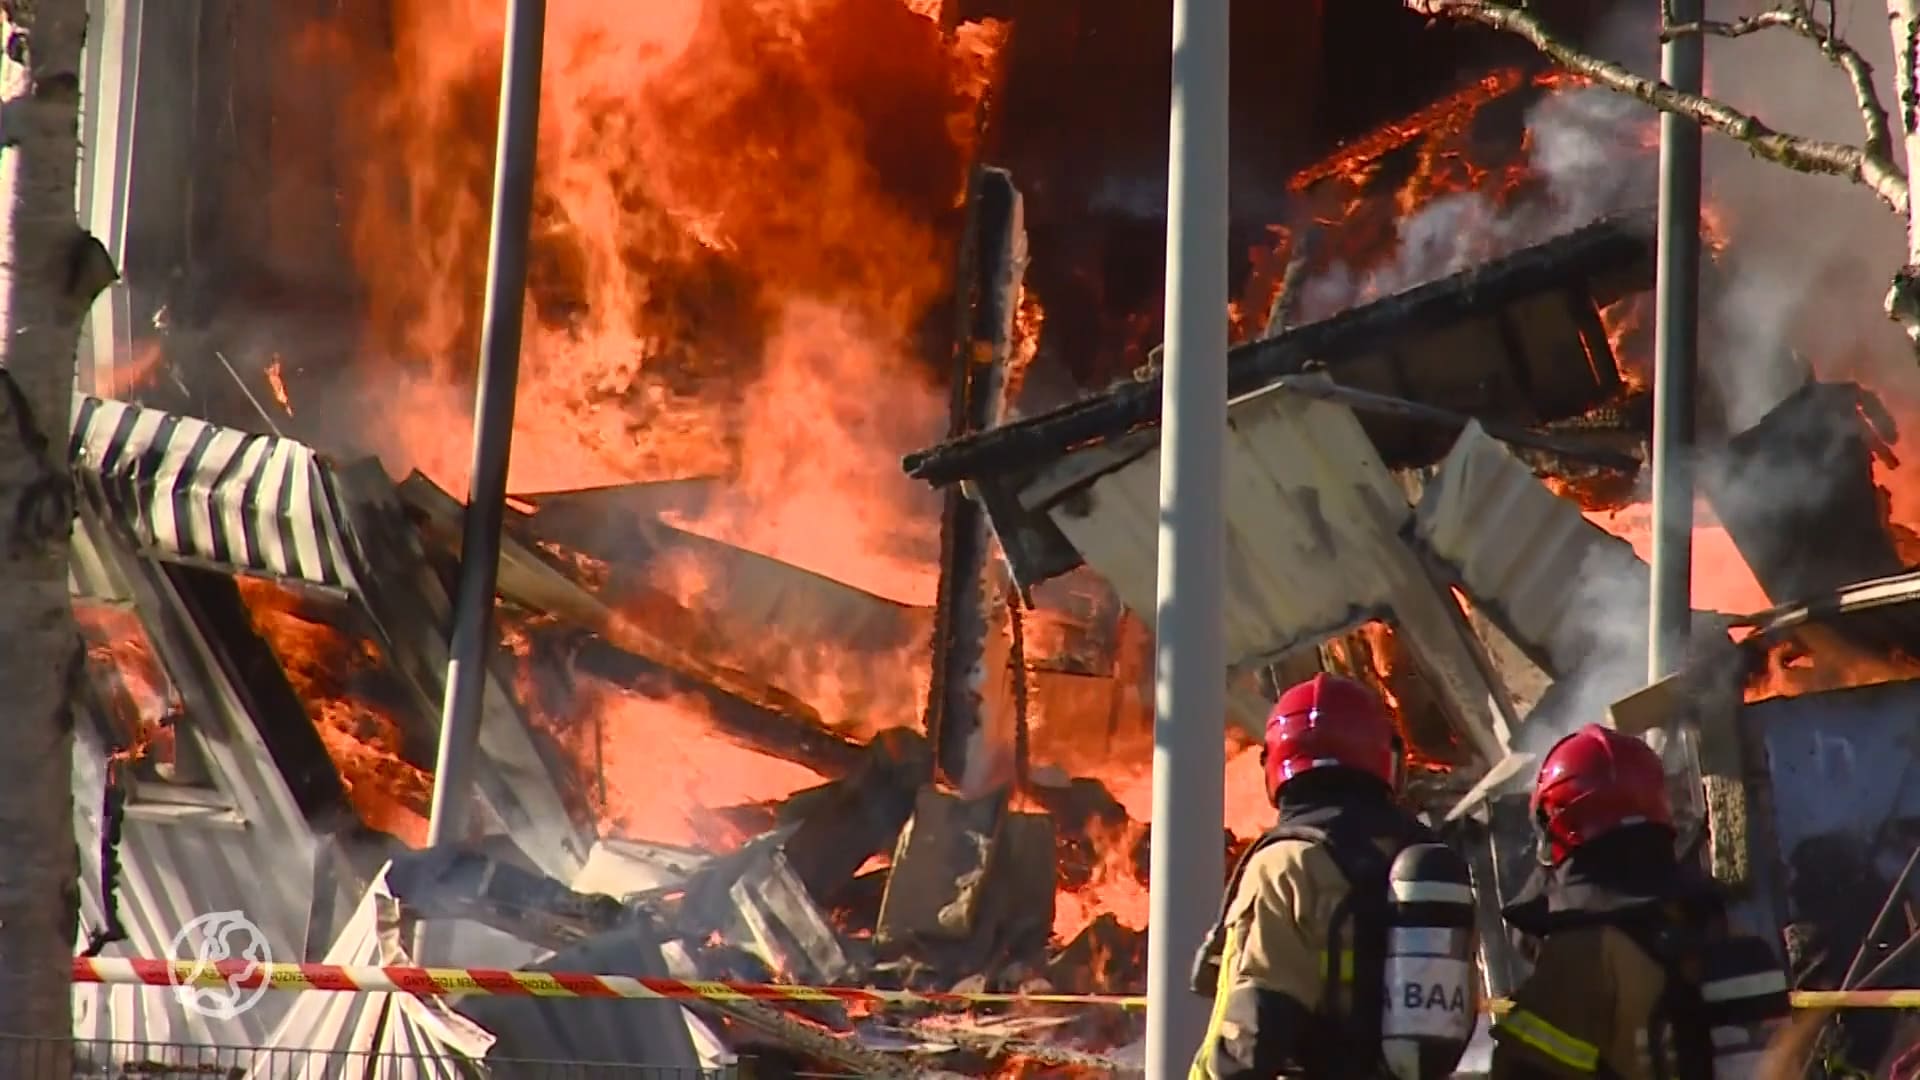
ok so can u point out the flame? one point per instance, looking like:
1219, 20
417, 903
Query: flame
146, 358
1363, 223
117, 643
322, 664
743, 213
1792, 668
666, 768
277, 384
1028, 320
1114, 886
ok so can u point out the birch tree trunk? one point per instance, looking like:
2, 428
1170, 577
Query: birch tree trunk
52, 272
1903, 21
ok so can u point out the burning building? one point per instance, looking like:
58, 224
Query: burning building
763, 706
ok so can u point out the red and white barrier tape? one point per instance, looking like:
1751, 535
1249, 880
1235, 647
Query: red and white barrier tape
448, 982
494, 982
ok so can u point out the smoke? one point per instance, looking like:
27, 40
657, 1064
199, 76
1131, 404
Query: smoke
1611, 594
1588, 160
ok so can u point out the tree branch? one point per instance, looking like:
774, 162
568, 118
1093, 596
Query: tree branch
1876, 171
1859, 73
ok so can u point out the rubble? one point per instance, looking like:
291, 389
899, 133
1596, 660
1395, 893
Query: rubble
933, 853
939, 869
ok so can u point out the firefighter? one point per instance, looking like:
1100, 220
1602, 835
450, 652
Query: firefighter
1636, 975
1299, 960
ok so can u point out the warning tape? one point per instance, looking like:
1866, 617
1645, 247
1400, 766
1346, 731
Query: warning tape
451, 982
496, 982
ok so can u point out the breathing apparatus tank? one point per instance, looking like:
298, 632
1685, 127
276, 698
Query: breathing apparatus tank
1745, 997
1431, 997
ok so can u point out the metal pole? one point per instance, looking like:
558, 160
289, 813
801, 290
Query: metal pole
1675, 357
493, 418
1189, 745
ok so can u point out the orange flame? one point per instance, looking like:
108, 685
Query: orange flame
320, 661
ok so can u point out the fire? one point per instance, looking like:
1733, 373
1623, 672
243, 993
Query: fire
118, 647
1028, 320
1115, 884
743, 216
665, 768
1819, 662
326, 667
277, 383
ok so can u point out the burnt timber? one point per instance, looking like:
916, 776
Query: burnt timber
1383, 346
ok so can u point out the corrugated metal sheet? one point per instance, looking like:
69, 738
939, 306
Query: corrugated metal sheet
1313, 545
242, 843
178, 863
739, 588
1523, 571
649, 1033
1567, 593
427, 1040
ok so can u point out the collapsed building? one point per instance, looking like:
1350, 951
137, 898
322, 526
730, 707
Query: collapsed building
265, 617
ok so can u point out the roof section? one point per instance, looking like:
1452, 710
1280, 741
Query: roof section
1520, 318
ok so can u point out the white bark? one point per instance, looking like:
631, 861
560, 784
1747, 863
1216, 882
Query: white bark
54, 271
1870, 164
1903, 21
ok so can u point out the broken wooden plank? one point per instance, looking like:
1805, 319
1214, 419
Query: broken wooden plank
1608, 250
941, 868
1016, 917
852, 820
1104, 957
448, 883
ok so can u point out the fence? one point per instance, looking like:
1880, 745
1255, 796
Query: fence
106, 1060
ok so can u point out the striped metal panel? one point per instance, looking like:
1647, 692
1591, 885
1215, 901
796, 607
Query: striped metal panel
192, 490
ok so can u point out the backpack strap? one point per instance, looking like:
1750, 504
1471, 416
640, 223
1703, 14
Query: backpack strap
1679, 1043
1357, 934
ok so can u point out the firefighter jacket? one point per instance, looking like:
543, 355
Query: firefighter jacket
1284, 997
1600, 1001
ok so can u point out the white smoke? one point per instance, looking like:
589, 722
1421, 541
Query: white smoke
1587, 150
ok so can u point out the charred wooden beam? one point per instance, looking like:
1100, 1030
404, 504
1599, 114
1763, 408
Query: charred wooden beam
801, 739
249, 666
448, 883
969, 677
1590, 267
850, 821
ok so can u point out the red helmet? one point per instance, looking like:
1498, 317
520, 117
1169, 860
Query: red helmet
1594, 781
1328, 720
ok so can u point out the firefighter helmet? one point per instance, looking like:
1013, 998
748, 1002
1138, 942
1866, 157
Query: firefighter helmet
1328, 720
1594, 781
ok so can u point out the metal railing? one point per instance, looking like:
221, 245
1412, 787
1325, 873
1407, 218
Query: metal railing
31, 1059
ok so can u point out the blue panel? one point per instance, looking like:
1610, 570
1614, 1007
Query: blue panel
1841, 762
